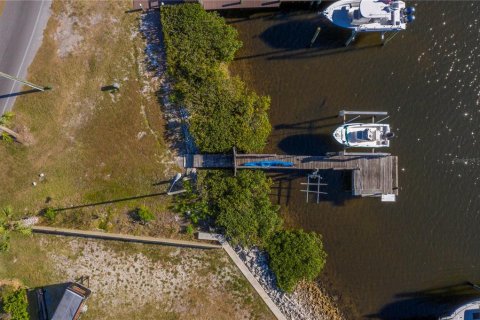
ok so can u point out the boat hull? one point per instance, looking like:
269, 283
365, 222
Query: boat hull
363, 135
340, 14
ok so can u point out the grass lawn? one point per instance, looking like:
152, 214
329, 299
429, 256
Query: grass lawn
134, 281
91, 145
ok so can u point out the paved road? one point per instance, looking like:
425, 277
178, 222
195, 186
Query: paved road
21, 30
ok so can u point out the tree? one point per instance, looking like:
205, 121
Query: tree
15, 303
196, 41
223, 113
145, 215
50, 214
241, 205
7, 225
295, 256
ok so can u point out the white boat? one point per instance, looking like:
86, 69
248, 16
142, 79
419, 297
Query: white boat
370, 15
366, 135
469, 311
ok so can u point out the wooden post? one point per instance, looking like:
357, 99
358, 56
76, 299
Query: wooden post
234, 161
389, 38
352, 37
317, 32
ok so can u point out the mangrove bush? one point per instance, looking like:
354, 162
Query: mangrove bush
295, 256
223, 112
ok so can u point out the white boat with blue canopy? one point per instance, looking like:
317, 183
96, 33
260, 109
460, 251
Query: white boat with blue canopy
370, 15
366, 135
469, 311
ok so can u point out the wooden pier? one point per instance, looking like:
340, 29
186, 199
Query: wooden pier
372, 175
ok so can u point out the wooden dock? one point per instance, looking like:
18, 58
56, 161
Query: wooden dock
372, 175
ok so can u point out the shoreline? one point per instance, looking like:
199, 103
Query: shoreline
293, 306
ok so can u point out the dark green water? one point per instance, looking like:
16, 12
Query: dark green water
409, 259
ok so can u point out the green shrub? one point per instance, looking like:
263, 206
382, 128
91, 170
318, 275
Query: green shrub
191, 204
241, 205
145, 215
190, 230
6, 137
50, 214
295, 256
4, 240
196, 41
6, 118
15, 304
223, 112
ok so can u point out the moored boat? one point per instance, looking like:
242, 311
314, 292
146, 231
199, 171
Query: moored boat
370, 15
366, 135
469, 311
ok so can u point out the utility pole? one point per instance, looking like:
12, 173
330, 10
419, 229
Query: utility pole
40, 88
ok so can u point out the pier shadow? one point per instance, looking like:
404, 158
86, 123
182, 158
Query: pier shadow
427, 304
287, 184
309, 144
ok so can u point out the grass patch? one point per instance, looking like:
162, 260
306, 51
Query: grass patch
92, 146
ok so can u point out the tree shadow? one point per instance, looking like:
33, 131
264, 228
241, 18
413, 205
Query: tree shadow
427, 304
111, 201
309, 144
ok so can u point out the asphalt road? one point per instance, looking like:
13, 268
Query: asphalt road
21, 30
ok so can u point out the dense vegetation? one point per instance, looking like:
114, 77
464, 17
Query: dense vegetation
13, 304
223, 112
241, 205
295, 256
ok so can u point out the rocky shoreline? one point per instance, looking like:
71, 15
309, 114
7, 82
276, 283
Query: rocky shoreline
307, 302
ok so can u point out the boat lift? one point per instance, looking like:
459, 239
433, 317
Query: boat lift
357, 114
314, 179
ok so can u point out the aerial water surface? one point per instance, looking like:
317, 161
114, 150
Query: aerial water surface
405, 260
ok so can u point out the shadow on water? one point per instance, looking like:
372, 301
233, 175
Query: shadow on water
292, 39
287, 182
427, 304
309, 144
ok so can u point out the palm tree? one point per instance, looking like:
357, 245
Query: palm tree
7, 225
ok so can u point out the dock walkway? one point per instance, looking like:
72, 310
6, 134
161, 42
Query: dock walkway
372, 175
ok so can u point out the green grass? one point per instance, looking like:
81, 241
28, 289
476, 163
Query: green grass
85, 140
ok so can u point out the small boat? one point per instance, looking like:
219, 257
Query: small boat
370, 15
366, 135
469, 311
268, 164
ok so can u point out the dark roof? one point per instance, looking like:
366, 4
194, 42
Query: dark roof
71, 302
